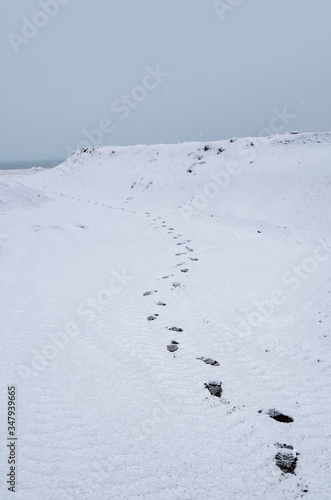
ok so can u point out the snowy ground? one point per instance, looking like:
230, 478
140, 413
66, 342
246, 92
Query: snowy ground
234, 238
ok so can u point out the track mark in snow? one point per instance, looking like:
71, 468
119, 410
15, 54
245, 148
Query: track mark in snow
209, 361
276, 415
153, 317
286, 460
175, 284
160, 303
149, 292
173, 347
215, 388
175, 329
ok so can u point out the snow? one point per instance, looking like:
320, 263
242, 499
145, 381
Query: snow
105, 410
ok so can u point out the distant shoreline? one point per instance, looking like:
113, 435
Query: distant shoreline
23, 165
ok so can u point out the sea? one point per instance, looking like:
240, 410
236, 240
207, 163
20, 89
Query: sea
15, 165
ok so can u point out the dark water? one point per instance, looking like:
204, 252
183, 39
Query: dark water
13, 165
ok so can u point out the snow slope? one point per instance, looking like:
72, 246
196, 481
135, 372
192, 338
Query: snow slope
234, 238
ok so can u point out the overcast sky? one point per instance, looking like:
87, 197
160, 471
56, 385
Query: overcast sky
125, 72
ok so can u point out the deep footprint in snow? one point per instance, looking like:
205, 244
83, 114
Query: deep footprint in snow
286, 459
184, 270
209, 361
173, 347
215, 388
276, 415
153, 317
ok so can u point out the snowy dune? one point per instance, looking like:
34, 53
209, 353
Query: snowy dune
232, 242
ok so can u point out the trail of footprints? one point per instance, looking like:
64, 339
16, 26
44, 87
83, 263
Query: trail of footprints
286, 457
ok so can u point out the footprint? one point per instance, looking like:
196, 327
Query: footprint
178, 254
215, 388
184, 270
160, 303
173, 347
209, 361
189, 249
175, 284
193, 258
175, 329
276, 415
153, 317
149, 293
286, 459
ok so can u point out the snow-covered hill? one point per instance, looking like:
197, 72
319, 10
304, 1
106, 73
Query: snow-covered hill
123, 267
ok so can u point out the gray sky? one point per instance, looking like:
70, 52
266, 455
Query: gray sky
159, 71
